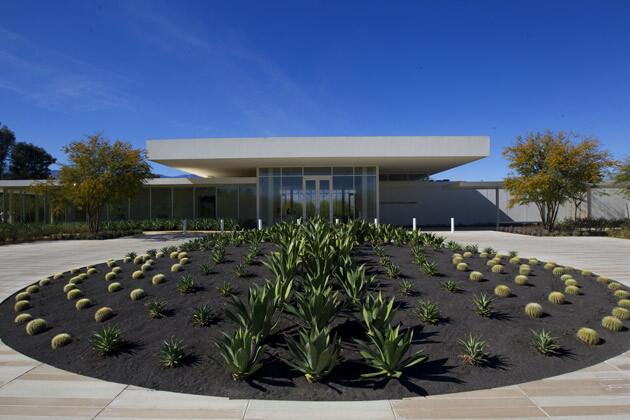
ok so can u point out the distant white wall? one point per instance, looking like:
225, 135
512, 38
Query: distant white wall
434, 203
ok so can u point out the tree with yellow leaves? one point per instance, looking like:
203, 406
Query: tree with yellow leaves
550, 169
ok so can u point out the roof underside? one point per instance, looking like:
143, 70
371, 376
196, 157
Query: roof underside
241, 156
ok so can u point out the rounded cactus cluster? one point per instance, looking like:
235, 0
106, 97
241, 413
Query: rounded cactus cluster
138, 260
534, 310
44, 282
462, 266
456, 259
158, 279
491, 263
57, 276
587, 273
137, 274
556, 298
497, 268
515, 260
548, 266
159, 254
110, 276
127, 260
184, 261
525, 270
468, 254
32, 289
558, 271
612, 323
23, 296
182, 254
502, 291
21, 305
483, 255
173, 254
103, 314
566, 277
60, 340
572, 290
114, 287
615, 286
75, 280
146, 267
621, 313
111, 263
588, 336
22, 318
532, 261
36, 326
603, 279
116, 270
521, 279
137, 294
570, 282
68, 287
624, 303
91, 271
621, 294
475, 276
83, 303
74, 294
176, 267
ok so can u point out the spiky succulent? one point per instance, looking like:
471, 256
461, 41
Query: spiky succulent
548, 265
427, 311
621, 294
524, 270
603, 280
406, 288
225, 289
258, 315
483, 304
218, 255
172, 353
202, 316
355, 284
69, 287
315, 353
556, 297
137, 274
587, 273
186, 285
545, 343
462, 266
430, 268
36, 326
498, 268
570, 282
377, 312
315, 309
534, 310
60, 340
110, 276
387, 352
240, 270
32, 289
588, 336
205, 269
23, 296
473, 350
107, 342
157, 308
612, 323
450, 286
624, 303
242, 353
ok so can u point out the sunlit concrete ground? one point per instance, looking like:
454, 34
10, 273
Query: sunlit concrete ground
33, 390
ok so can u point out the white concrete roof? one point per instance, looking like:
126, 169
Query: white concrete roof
241, 156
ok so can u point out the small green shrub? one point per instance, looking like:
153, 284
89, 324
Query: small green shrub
186, 285
137, 275
176, 267
502, 291
572, 290
603, 279
23, 296
240, 270
146, 267
107, 342
137, 294
473, 351
103, 314
158, 279
202, 316
612, 323
621, 294
172, 353
427, 312
450, 286
60, 340
315, 353
497, 268
475, 276
588, 336
116, 270
82, 304
462, 266
69, 287
44, 282
218, 255
242, 353
36, 326
205, 269
91, 271
157, 309
22, 318
621, 312
545, 343
548, 266
110, 276
570, 282
406, 288
392, 271
534, 310
521, 279
114, 287
483, 304
615, 286
624, 303
226, 289
74, 294
556, 297
430, 268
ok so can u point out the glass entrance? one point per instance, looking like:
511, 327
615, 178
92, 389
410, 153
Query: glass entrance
317, 197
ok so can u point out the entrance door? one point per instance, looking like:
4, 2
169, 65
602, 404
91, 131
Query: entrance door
317, 193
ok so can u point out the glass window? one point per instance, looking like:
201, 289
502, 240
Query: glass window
269, 200
291, 197
343, 171
368, 170
183, 203
343, 197
365, 202
205, 200
161, 203
247, 205
317, 171
227, 202
291, 171
140, 205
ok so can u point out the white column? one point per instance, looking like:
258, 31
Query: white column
259, 224
452, 224
413, 222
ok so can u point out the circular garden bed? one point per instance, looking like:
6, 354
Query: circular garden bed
320, 312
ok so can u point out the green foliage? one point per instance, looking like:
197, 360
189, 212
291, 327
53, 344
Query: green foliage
502, 291
186, 285
315, 309
36, 326
475, 276
226, 289
218, 255
258, 316
588, 336
205, 269
387, 352
612, 323
114, 287
406, 288
74, 294
473, 351
315, 353
22, 318
240, 270
176, 267
483, 304
377, 313
172, 353
60, 340
392, 270
556, 297
82, 304
242, 353
450, 286
137, 294
427, 312
103, 314
621, 312
534, 310
107, 342
202, 316
430, 268
545, 343
355, 284
157, 308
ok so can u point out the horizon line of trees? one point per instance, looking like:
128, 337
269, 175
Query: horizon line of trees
22, 160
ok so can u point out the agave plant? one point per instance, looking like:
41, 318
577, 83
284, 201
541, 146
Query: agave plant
315, 353
377, 313
430, 268
259, 315
315, 309
387, 352
285, 263
355, 284
242, 353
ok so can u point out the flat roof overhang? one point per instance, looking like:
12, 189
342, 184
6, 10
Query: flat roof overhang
233, 157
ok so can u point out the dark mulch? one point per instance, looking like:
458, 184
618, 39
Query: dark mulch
508, 333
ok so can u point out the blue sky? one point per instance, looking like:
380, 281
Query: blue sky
138, 70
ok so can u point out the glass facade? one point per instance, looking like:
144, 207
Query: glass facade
345, 193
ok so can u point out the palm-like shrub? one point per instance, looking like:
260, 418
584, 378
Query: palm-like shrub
475, 276
533, 309
60, 340
377, 312
186, 285
406, 288
205, 269
202, 316
612, 323
621, 312
83, 303
218, 255
137, 294
502, 291
473, 350
392, 270
36, 326
387, 352
107, 342
103, 314
242, 353
315, 309
258, 316
172, 353
545, 343
315, 353
114, 287
355, 284
22, 318
556, 297
483, 304
427, 312
588, 336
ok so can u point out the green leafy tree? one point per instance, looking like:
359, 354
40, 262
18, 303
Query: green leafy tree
7, 140
550, 169
29, 162
622, 177
98, 173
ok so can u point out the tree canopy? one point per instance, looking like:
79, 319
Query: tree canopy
7, 140
622, 177
550, 169
29, 162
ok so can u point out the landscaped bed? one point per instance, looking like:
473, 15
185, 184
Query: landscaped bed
419, 271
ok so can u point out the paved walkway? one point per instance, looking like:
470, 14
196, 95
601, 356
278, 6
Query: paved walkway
34, 390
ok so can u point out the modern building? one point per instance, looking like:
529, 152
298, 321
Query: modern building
286, 178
